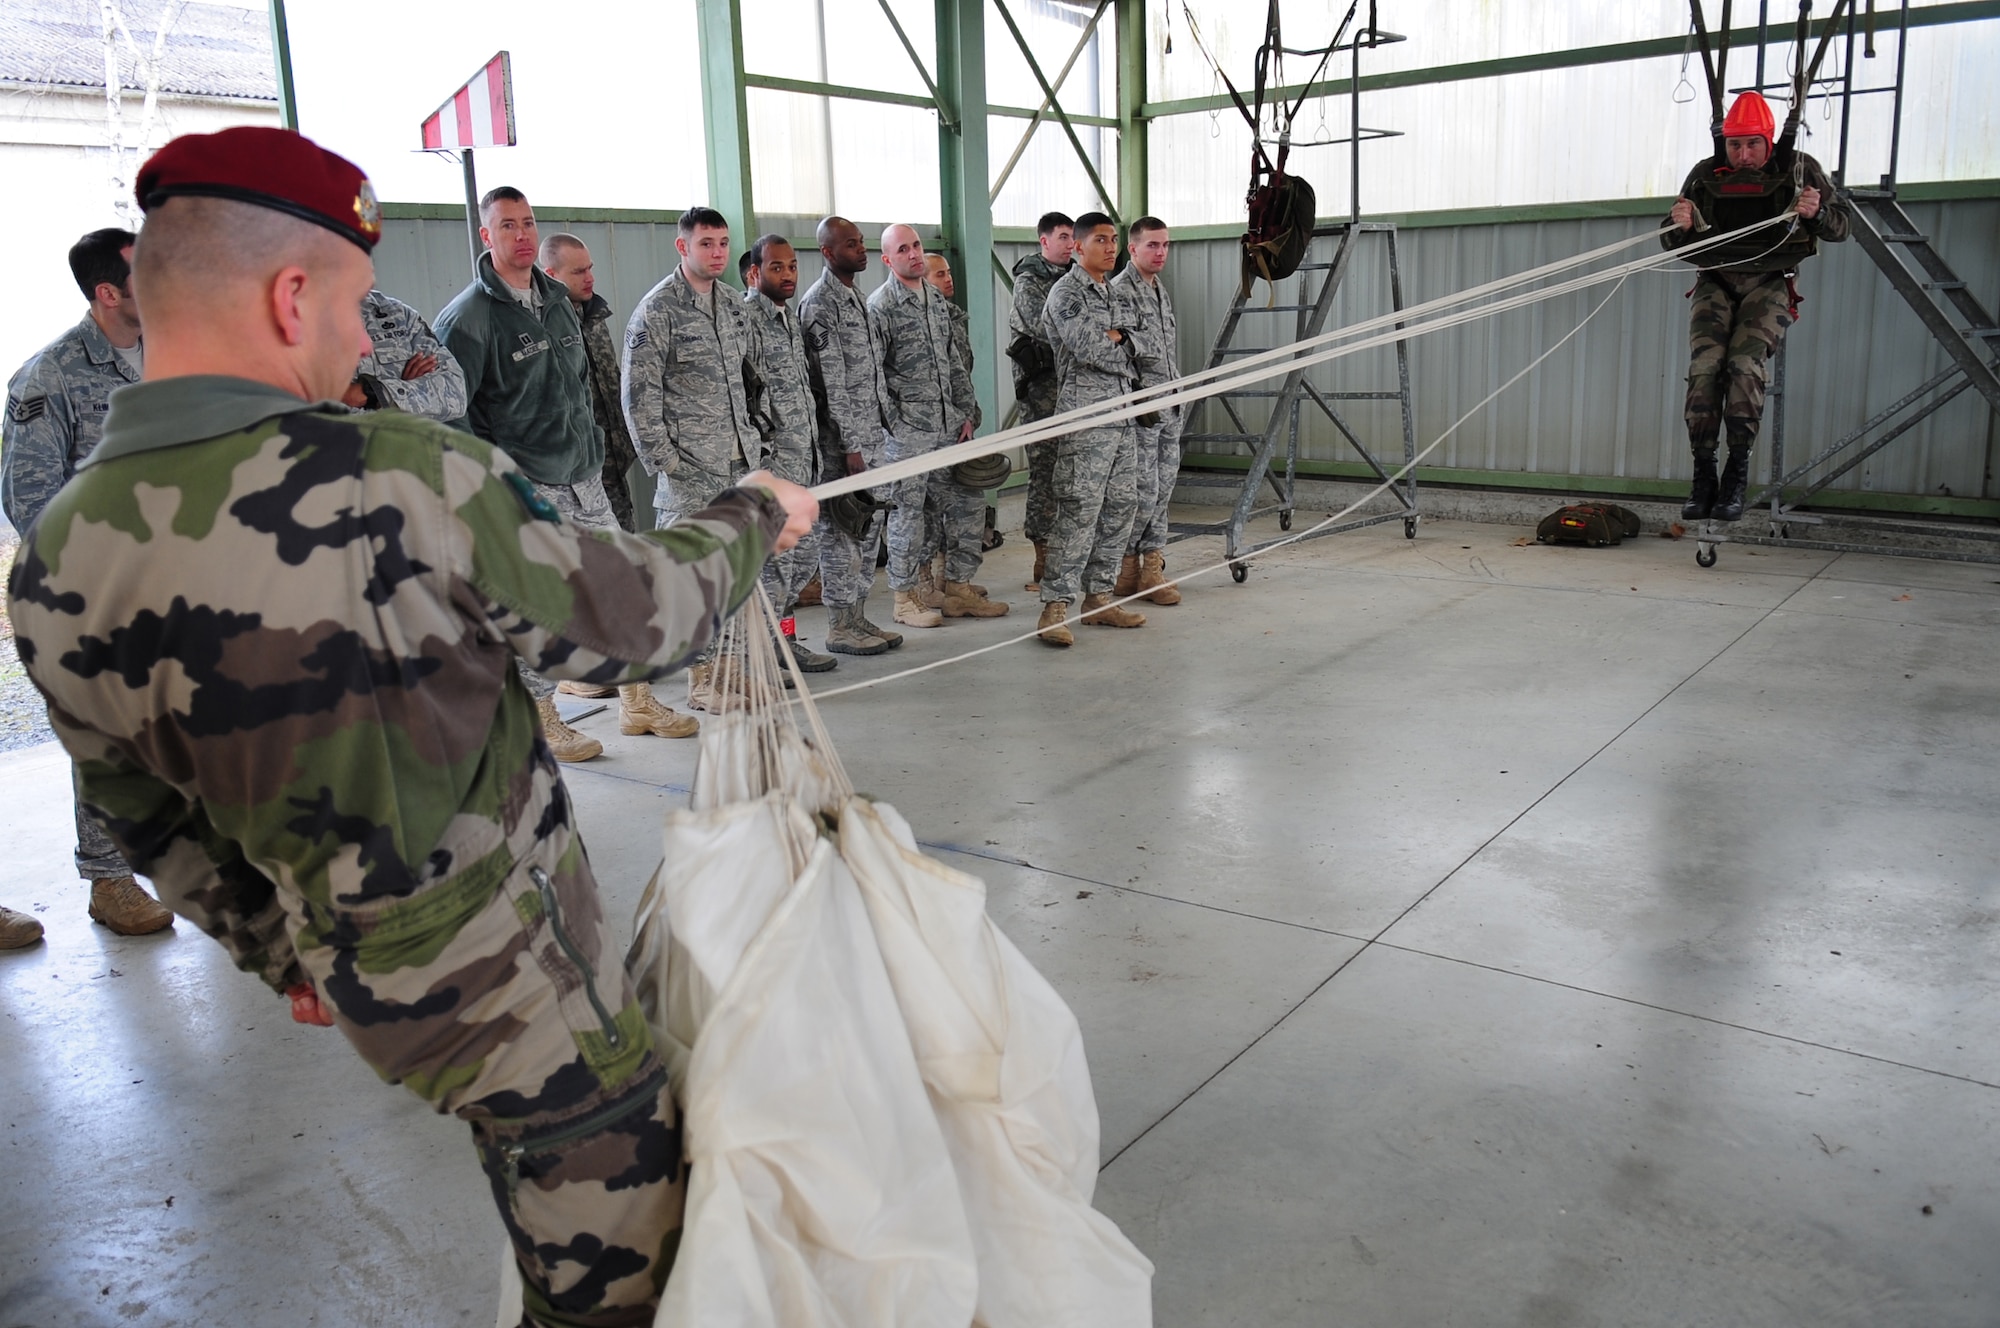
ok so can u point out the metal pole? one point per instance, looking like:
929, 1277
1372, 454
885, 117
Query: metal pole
281, 59
471, 210
1763, 36
1846, 103
1354, 137
1895, 114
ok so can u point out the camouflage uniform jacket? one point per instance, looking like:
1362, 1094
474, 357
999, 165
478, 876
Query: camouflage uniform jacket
1027, 341
278, 640
1078, 320
847, 371
56, 406
781, 344
525, 388
398, 333
1156, 332
923, 383
691, 381
961, 351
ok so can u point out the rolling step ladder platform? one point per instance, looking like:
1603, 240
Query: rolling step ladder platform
1239, 427
1954, 317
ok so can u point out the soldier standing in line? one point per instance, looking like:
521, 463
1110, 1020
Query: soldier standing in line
330, 763
567, 259
1155, 332
937, 271
1035, 370
921, 410
56, 406
407, 368
1087, 322
772, 278
520, 345
691, 387
847, 385
1745, 297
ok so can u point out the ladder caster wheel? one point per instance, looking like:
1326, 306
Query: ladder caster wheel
1240, 572
1705, 557
1285, 520
1409, 527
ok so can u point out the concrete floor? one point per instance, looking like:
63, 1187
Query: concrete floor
1463, 933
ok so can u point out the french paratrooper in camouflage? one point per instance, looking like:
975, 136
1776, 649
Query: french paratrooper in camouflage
282, 657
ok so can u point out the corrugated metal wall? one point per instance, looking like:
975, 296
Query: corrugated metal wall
1606, 405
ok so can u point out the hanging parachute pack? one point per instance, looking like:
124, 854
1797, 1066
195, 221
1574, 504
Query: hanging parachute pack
1283, 210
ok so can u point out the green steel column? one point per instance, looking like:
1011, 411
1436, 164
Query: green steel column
1133, 163
726, 114
281, 60
963, 176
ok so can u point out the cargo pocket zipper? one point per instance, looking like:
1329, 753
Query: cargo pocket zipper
511, 1154
547, 888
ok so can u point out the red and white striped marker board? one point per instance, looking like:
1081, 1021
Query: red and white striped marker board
480, 114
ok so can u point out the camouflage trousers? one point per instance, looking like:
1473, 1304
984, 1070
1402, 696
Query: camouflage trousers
847, 565
1158, 464
497, 995
1096, 493
786, 574
618, 460
684, 493
97, 858
1736, 323
908, 548
1038, 402
582, 504
954, 522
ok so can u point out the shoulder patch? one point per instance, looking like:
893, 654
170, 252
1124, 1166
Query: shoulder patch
635, 336
538, 507
23, 410
821, 336
1070, 307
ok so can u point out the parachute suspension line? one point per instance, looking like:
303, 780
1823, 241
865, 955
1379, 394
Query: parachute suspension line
806, 699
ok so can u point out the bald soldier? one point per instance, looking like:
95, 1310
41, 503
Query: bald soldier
924, 388
278, 639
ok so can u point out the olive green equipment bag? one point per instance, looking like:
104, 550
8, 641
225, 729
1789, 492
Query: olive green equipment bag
1594, 524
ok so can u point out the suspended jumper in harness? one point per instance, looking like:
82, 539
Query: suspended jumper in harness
1746, 296
1282, 207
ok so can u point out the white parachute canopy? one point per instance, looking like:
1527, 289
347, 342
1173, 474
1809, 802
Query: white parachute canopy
887, 1110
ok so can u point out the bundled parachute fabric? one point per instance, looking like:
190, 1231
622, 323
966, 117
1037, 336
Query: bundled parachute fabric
887, 1111
1003, 1059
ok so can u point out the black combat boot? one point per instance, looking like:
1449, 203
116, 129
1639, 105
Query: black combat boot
1701, 499
1735, 479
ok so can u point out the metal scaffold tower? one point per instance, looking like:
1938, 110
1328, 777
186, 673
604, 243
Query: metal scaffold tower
1918, 273
1267, 422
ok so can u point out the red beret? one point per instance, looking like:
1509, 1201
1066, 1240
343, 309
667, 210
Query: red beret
273, 168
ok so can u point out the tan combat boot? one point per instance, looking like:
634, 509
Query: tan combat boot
1098, 612
593, 691
639, 711
974, 599
717, 690
565, 743
121, 905
1153, 577
810, 596
1051, 628
847, 633
1128, 577
943, 577
911, 612
18, 931
1041, 565
933, 596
